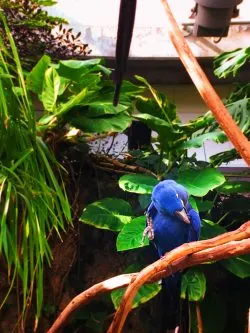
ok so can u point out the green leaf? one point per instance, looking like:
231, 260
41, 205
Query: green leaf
144, 200
240, 113
91, 80
139, 183
162, 108
224, 157
168, 135
193, 285
36, 77
230, 187
73, 101
100, 108
210, 229
109, 213
144, 294
200, 182
200, 139
115, 123
153, 122
75, 69
130, 89
230, 62
204, 205
130, 237
193, 203
239, 266
51, 86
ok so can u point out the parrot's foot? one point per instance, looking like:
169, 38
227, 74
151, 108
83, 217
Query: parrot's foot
149, 230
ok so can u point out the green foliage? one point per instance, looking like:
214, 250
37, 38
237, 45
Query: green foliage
200, 182
168, 159
109, 213
144, 294
144, 200
78, 94
210, 229
139, 183
230, 187
230, 62
204, 205
33, 204
160, 115
239, 266
193, 285
105, 123
130, 237
198, 141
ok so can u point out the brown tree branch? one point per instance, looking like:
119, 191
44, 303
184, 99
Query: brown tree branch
205, 88
163, 264
221, 247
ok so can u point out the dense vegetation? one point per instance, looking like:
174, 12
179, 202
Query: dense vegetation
44, 155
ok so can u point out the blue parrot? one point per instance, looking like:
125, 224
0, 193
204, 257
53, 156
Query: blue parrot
171, 222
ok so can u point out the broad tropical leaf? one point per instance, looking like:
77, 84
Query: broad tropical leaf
234, 187
35, 78
139, 183
239, 266
115, 123
75, 69
144, 200
109, 213
193, 285
198, 141
130, 237
210, 229
230, 62
200, 182
51, 89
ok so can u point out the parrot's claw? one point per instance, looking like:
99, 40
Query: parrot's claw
149, 232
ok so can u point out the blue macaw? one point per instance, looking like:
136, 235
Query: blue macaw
171, 222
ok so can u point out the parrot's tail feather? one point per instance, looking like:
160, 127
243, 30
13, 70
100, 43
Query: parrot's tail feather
171, 296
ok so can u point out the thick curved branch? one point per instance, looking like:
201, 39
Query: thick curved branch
205, 88
163, 264
230, 248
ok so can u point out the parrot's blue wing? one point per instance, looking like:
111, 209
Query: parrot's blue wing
151, 211
194, 231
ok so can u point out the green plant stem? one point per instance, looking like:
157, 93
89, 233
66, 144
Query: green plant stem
222, 218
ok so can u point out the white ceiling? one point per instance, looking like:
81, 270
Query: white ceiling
97, 20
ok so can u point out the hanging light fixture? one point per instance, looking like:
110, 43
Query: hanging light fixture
213, 17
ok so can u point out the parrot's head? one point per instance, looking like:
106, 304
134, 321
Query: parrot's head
170, 198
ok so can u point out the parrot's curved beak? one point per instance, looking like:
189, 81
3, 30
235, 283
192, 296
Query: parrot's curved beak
182, 215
